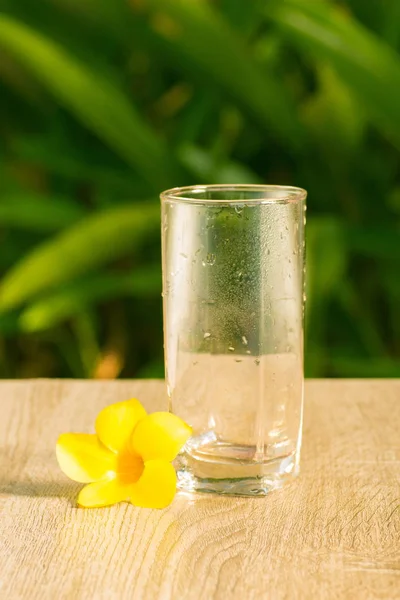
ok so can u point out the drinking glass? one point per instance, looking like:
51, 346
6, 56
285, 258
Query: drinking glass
233, 277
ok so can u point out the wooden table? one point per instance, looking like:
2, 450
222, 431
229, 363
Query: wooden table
334, 533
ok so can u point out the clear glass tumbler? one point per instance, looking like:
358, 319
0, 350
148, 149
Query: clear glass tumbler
233, 276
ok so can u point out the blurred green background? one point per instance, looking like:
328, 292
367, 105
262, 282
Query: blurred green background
104, 103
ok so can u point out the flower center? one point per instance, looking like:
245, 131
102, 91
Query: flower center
129, 467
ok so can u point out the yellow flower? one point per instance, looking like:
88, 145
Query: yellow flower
129, 457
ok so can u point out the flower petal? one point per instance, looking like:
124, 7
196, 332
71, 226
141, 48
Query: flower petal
115, 423
157, 486
82, 458
105, 492
160, 435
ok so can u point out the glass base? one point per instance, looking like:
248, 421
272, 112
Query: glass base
235, 478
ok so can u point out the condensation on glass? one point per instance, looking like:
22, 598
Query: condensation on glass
233, 278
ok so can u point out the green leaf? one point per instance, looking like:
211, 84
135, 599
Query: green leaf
201, 164
200, 40
326, 257
242, 15
326, 266
360, 314
9, 183
14, 245
366, 64
95, 241
106, 15
152, 370
346, 366
9, 325
77, 163
375, 242
371, 13
85, 332
391, 29
38, 213
334, 117
14, 76
98, 104
80, 295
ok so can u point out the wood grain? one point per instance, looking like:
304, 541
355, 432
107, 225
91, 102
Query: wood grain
334, 533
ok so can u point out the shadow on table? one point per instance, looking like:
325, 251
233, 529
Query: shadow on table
33, 474
41, 489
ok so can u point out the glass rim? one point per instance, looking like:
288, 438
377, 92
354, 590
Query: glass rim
187, 194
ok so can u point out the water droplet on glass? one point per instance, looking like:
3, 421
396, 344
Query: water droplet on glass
238, 360
268, 251
244, 340
257, 361
183, 254
231, 349
239, 208
207, 335
248, 352
209, 260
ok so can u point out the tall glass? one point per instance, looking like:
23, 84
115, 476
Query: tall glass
233, 272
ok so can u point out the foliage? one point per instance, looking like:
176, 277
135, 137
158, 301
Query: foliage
104, 104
